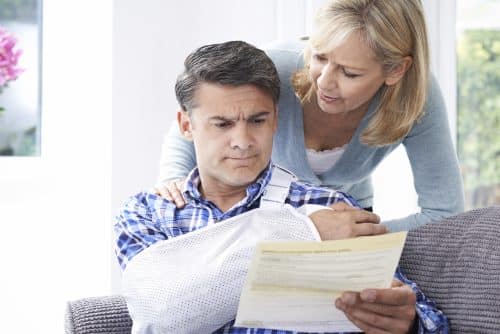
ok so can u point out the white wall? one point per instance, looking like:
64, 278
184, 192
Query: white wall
54, 209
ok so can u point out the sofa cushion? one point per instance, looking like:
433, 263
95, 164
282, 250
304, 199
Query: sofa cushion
456, 262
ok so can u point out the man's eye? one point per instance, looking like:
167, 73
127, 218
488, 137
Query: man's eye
258, 121
222, 125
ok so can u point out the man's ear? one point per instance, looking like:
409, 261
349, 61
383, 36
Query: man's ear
185, 125
275, 118
397, 74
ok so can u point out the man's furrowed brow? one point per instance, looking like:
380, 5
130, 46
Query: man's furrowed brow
252, 116
259, 114
222, 118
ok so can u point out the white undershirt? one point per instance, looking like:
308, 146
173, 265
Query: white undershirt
321, 161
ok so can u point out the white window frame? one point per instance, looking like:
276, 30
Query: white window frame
441, 24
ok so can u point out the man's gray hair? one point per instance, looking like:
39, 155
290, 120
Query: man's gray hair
233, 63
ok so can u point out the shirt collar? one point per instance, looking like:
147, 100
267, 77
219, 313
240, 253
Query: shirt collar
254, 190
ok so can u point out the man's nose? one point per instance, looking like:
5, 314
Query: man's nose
241, 137
327, 78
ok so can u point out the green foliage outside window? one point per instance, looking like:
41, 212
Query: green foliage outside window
479, 115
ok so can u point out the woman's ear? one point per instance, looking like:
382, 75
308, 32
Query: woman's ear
185, 125
398, 73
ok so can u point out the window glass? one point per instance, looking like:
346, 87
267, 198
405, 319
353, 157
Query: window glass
20, 31
478, 79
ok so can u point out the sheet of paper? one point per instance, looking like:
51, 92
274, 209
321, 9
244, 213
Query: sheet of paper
293, 285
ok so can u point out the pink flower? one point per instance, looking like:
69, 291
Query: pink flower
8, 58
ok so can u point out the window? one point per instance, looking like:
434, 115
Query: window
20, 29
478, 100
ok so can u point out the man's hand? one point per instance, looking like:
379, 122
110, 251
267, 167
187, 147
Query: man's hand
344, 221
171, 190
380, 311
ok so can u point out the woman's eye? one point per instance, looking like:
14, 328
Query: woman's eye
319, 57
349, 74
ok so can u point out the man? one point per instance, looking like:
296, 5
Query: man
228, 93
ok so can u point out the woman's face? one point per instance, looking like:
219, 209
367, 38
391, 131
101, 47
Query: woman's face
346, 78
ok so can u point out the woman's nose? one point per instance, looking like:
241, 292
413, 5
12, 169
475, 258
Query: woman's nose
327, 78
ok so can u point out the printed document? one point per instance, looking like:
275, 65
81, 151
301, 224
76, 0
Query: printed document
293, 285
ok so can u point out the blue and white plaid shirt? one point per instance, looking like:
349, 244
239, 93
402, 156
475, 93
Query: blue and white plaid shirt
147, 218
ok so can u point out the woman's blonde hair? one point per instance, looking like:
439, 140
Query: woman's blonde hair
393, 29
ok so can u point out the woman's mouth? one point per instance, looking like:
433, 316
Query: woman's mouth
328, 98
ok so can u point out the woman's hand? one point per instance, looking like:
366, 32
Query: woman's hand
345, 221
172, 191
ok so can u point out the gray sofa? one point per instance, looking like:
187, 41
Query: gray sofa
456, 262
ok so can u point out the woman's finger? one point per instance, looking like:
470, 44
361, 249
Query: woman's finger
162, 190
174, 189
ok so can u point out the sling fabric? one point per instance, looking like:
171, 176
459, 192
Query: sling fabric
203, 271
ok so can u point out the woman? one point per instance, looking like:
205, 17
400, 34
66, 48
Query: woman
360, 88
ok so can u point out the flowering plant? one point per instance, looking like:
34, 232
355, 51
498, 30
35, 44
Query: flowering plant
9, 70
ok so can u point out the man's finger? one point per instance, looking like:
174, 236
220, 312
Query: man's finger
373, 323
391, 311
371, 317
364, 326
403, 295
395, 283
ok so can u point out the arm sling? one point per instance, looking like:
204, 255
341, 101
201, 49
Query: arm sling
192, 283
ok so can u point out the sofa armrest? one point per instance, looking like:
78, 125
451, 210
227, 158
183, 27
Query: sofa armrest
107, 314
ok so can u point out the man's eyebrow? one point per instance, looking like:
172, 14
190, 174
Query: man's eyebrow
220, 118
259, 114
253, 116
